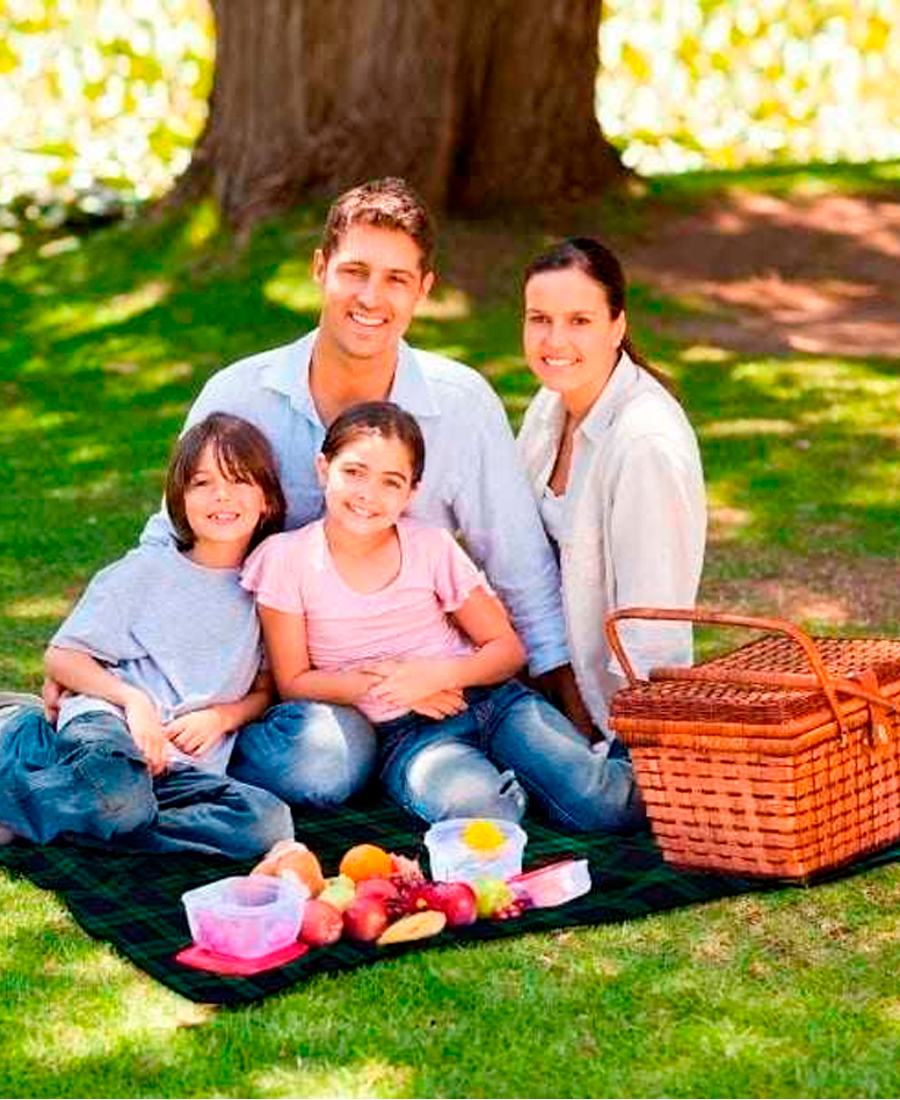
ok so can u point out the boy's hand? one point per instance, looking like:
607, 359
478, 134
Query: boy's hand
146, 731
196, 732
52, 693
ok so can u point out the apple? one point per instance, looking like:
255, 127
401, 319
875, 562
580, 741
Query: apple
322, 924
339, 891
379, 888
456, 900
365, 919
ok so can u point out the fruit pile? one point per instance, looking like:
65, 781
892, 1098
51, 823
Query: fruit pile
383, 898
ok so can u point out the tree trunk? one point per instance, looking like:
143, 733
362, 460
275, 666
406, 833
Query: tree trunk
480, 104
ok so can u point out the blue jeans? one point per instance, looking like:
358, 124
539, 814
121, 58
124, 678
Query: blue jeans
90, 780
312, 754
507, 742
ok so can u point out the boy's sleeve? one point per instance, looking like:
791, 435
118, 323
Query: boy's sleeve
102, 620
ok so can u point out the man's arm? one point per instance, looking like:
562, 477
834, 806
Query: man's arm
499, 519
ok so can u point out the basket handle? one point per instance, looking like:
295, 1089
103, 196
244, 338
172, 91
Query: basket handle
822, 678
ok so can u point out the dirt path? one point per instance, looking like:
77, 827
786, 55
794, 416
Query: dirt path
819, 275
766, 275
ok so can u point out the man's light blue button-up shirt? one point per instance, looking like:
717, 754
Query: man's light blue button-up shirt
472, 485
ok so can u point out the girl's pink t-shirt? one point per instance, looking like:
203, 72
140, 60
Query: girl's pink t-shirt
409, 618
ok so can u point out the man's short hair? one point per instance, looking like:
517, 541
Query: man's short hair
388, 203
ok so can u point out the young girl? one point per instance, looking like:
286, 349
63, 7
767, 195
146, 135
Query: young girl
161, 659
368, 608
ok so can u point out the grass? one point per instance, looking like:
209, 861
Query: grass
103, 342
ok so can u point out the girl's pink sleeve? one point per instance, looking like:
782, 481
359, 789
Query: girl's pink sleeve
454, 573
271, 573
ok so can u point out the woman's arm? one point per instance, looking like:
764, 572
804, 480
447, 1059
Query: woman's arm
499, 655
198, 731
285, 638
82, 673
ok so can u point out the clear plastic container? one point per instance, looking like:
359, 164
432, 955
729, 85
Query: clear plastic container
554, 884
248, 917
455, 858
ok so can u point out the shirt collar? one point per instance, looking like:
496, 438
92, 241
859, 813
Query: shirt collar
552, 413
604, 409
288, 373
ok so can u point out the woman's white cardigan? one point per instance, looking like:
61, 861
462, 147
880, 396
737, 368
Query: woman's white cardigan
633, 523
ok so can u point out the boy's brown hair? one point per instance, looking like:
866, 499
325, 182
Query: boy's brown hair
242, 453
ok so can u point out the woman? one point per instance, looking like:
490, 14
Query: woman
615, 467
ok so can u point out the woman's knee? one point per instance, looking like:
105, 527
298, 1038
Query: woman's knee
448, 780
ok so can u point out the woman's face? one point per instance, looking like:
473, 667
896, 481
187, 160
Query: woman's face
571, 342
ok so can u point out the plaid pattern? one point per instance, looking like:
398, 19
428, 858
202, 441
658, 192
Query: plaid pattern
134, 901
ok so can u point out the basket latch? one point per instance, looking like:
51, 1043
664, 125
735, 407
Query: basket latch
879, 719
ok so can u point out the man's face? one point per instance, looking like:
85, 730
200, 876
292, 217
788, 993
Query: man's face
371, 285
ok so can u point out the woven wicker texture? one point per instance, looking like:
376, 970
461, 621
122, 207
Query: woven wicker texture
770, 780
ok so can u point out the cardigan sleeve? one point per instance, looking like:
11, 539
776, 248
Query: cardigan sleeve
657, 532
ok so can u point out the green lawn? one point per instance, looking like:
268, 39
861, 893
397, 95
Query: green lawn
791, 993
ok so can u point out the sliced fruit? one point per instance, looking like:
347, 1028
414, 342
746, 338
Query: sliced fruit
416, 926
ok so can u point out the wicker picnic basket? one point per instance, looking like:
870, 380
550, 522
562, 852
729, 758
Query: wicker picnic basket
780, 759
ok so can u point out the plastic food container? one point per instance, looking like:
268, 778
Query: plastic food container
246, 918
554, 884
465, 849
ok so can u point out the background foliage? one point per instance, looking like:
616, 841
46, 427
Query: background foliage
111, 94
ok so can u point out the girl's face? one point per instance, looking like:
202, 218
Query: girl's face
220, 510
367, 483
571, 341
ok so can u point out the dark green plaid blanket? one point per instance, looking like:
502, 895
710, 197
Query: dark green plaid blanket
134, 901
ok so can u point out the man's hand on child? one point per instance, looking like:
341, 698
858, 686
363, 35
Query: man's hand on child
147, 732
196, 732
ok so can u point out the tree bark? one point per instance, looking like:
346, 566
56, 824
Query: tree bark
480, 104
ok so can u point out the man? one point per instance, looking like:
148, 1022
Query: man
374, 267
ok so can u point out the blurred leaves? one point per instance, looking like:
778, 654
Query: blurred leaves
692, 84
111, 94
100, 92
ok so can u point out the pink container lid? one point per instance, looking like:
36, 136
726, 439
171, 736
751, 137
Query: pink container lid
554, 884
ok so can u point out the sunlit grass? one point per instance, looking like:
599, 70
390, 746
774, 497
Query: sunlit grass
786, 993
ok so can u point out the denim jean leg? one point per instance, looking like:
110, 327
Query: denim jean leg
109, 790
306, 753
212, 814
576, 787
436, 771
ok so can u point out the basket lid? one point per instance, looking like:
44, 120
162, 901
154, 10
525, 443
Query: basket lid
697, 701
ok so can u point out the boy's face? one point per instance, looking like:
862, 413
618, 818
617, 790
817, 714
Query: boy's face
371, 285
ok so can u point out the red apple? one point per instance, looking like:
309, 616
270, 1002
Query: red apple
456, 900
365, 919
378, 888
323, 924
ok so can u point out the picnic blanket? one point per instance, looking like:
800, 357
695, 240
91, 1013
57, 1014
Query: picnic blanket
134, 901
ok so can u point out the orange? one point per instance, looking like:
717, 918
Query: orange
366, 861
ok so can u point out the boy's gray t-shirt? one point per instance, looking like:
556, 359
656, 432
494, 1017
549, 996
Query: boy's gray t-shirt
186, 635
